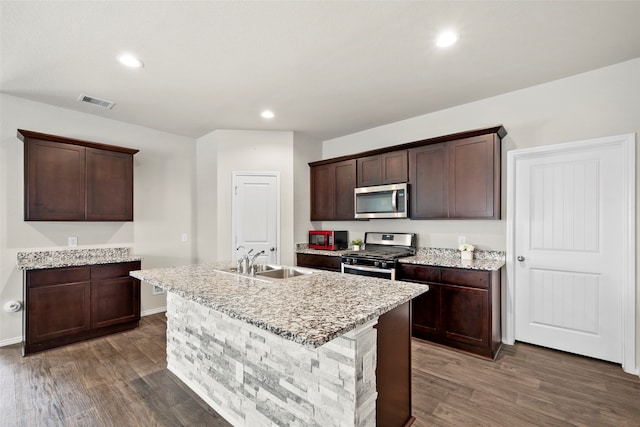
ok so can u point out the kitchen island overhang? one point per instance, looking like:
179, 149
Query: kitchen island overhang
299, 351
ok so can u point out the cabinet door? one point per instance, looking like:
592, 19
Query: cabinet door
426, 313
387, 168
464, 313
109, 185
474, 177
322, 192
345, 184
332, 188
54, 181
57, 311
114, 301
428, 176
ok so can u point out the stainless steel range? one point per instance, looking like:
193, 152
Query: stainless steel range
381, 254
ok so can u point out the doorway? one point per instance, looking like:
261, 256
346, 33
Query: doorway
571, 248
256, 215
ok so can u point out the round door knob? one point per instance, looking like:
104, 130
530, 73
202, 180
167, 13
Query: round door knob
272, 249
520, 258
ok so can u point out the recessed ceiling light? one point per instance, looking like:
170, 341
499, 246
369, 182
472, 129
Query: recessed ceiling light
267, 114
446, 39
130, 61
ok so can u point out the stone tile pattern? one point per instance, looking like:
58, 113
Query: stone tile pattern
255, 378
310, 309
436, 257
68, 258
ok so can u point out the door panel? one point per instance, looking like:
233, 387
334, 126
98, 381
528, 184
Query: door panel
256, 216
568, 221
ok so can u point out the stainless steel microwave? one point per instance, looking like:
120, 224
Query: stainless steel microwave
381, 201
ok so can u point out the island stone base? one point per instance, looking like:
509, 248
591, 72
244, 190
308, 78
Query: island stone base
253, 377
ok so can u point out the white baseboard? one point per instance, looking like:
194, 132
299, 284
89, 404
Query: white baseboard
153, 311
10, 341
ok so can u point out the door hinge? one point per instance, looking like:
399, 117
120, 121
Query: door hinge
236, 190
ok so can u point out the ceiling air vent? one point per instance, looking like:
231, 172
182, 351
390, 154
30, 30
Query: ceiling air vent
96, 101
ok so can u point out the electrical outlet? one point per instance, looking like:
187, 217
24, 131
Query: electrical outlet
184, 237
73, 241
461, 240
157, 290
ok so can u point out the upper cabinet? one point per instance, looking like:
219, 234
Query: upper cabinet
429, 181
386, 168
454, 176
73, 180
456, 179
474, 177
332, 186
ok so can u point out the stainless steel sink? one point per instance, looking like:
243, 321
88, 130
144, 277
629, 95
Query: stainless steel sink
270, 271
284, 273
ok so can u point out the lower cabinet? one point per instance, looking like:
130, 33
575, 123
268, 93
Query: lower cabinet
461, 309
71, 304
321, 262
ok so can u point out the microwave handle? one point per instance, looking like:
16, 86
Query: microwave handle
394, 200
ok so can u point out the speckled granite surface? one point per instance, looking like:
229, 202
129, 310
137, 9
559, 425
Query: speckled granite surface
310, 310
67, 258
435, 257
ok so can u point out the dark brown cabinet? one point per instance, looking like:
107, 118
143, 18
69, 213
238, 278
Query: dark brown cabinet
461, 309
429, 183
109, 185
73, 180
332, 186
321, 262
386, 168
454, 176
71, 304
456, 179
474, 177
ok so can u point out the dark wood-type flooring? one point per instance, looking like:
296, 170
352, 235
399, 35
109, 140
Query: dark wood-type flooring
122, 380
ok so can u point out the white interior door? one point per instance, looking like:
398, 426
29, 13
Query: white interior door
571, 241
256, 215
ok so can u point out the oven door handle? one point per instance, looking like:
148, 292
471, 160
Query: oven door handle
364, 268
394, 200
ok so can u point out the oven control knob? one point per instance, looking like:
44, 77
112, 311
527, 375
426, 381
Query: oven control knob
354, 261
376, 264
384, 264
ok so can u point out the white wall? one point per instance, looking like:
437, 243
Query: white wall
225, 151
163, 197
599, 103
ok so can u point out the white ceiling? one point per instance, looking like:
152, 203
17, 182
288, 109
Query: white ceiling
326, 68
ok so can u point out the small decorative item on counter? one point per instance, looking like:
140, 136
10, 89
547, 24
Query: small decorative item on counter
466, 252
355, 244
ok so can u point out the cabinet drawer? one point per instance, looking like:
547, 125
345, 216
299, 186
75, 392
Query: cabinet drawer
54, 276
419, 273
322, 262
111, 271
475, 279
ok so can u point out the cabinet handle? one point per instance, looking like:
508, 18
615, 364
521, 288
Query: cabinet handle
520, 258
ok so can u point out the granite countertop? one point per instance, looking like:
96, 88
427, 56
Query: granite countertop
38, 260
310, 309
434, 257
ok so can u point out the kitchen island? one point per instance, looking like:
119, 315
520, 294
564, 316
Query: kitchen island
298, 351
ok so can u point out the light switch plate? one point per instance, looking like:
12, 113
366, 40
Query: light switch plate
184, 237
73, 241
461, 240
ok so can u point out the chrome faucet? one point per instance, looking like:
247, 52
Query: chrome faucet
252, 261
243, 262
